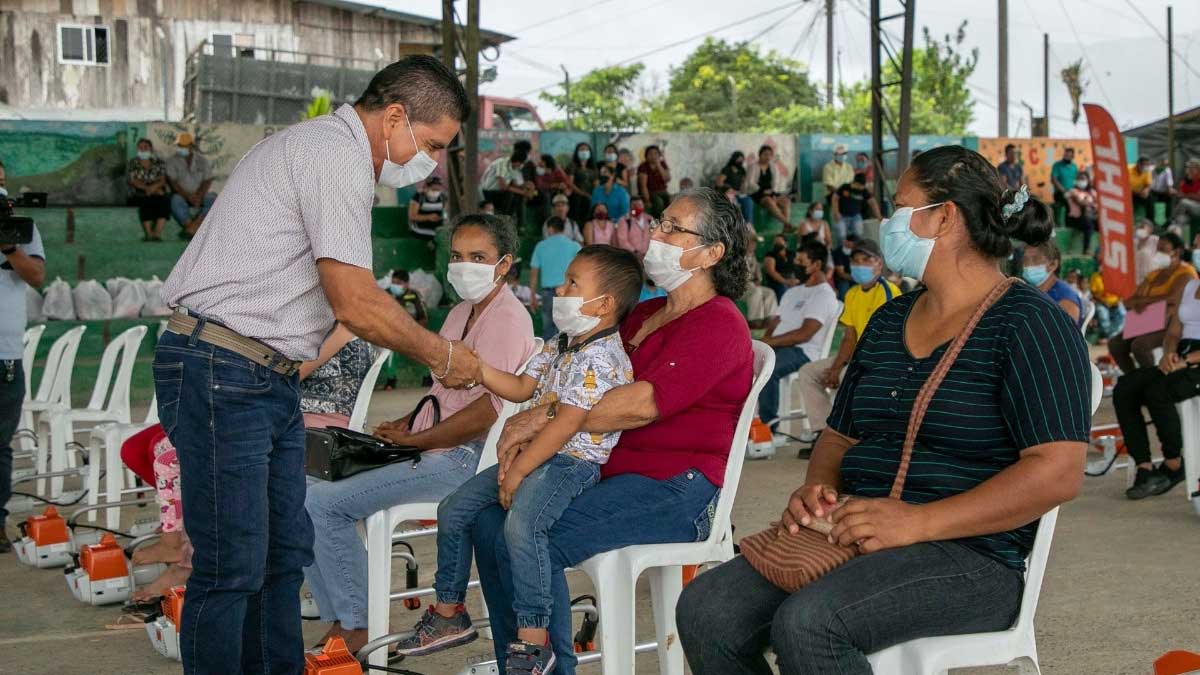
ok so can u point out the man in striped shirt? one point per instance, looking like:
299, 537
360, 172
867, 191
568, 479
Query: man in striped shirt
284, 251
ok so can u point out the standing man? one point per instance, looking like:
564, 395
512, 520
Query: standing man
19, 265
1011, 170
548, 270
284, 253
1062, 176
190, 176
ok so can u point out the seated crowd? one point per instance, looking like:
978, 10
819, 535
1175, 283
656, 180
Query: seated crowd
648, 362
178, 187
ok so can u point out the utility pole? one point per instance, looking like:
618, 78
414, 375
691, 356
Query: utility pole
876, 102
567, 87
906, 66
454, 165
1002, 88
1170, 92
1046, 82
829, 53
471, 124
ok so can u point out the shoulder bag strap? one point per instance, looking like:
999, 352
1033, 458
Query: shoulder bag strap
437, 410
935, 379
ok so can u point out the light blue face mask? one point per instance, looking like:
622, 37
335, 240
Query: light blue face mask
903, 251
862, 274
1035, 275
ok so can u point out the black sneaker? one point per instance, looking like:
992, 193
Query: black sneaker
525, 658
435, 633
1173, 477
1149, 482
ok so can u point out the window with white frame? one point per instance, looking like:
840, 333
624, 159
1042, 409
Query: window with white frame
233, 44
81, 44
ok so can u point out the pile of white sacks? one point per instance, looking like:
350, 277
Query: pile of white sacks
118, 298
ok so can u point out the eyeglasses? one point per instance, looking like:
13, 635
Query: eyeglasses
669, 226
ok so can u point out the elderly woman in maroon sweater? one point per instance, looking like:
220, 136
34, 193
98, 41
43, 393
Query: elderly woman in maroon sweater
693, 368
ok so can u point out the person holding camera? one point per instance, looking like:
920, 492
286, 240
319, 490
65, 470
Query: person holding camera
19, 265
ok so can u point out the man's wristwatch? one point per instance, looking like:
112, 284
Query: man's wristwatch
552, 410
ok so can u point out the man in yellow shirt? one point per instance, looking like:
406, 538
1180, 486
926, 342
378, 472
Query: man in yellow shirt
868, 294
836, 173
1141, 176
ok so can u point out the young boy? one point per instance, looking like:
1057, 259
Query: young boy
571, 374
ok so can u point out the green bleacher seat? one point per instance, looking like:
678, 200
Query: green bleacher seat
402, 253
389, 222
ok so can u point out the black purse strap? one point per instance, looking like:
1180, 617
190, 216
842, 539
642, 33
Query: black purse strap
429, 399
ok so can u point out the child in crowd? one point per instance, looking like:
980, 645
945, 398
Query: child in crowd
406, 296
571, 374
523, 293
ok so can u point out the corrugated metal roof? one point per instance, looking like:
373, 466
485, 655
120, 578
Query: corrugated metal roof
487, 37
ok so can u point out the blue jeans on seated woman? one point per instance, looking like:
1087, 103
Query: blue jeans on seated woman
338, 575
620, 511
540, 500
729, 615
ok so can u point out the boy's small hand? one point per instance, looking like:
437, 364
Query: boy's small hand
508, 488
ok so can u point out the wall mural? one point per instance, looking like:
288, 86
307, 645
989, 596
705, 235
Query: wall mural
1037, 155
74, 163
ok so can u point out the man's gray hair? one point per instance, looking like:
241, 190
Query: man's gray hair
720, 222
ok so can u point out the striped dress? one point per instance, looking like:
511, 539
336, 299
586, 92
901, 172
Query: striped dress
1021, 380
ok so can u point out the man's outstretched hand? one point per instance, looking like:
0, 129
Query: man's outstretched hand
465, 369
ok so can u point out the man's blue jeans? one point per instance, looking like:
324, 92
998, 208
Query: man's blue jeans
848, 225
746, 204
540, 500
787, 361
546, 299
1110, 320
240, 437
12, 396
621, 511
183, 212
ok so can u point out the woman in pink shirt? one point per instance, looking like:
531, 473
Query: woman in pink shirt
693, 367
496, 326
599, 230
633, 230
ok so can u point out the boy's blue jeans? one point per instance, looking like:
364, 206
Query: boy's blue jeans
541, 498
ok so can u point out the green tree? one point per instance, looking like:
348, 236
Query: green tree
941, 102
602, 100
727, 87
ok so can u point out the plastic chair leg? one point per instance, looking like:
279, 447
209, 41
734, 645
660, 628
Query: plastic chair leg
114, 478
92, 484
666, 583
1026, 665
58, 453
615, 591
41, 457
379, 580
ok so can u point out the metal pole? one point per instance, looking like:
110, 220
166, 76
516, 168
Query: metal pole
733, 102
1002, 10
471, 124
906, 65
829, 53
567, 87
458, 204
1170, 92
876, 103
1046, 82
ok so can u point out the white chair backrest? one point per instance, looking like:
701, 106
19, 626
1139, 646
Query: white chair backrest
1087, 317
827, 345
764, 364
152, 413
488, 456
55, 386
31, 339
112, 381
358, 416
1040, 553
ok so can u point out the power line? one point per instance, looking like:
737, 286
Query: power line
677, 43
1162, 37
775, 24
807, 31
564, 15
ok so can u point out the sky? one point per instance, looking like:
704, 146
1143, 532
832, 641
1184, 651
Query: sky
1125, 61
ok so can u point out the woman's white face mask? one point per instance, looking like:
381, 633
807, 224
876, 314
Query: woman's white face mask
473, 281
663, 267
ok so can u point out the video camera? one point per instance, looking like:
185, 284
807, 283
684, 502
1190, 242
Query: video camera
13, 229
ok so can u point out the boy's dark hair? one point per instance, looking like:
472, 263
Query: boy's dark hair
428, 90
556, 224
815, 250
485, 203
402, 275
620, 274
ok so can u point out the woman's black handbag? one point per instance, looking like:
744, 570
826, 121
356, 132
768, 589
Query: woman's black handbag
334, 453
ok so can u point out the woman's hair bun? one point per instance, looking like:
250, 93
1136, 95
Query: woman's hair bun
1026, 218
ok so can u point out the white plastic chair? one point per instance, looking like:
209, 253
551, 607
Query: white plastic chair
30, 341
53, 389
1189, 418
1016, 646
109, 403
615, 573
382, 524
105, 440
358, 416
1087, 318
786, 412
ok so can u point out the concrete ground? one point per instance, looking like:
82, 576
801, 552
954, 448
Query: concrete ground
1121, 588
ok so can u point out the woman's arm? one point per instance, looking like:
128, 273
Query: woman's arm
414, 212
465, 425
547, 444
720, 181
588, 237
630, 406
1070, 308
1044, 477
510, 387
339, 338
643, 179
772, 273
